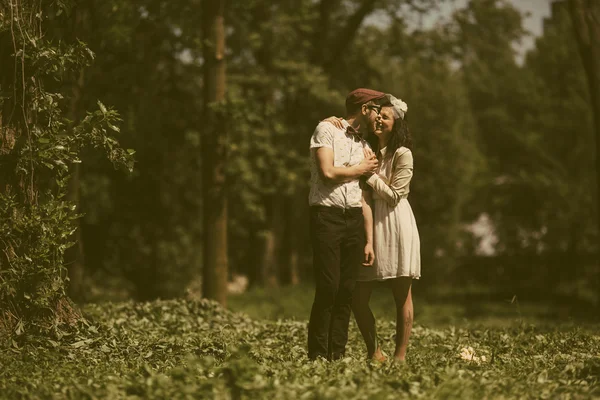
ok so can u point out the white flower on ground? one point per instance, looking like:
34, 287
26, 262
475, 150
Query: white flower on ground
468, 354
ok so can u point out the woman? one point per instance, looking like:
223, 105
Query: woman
396, 238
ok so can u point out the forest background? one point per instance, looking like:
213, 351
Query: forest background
505, 188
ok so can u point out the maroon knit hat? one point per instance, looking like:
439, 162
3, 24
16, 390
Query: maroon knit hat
360, 96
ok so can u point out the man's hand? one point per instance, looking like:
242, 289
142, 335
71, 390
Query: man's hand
369, 255
368, 165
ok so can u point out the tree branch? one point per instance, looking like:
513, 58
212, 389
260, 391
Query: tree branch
346, 35
582, 33
323, 30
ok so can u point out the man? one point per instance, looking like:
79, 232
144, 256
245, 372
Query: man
340, 220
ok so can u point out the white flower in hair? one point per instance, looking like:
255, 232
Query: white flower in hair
400, 108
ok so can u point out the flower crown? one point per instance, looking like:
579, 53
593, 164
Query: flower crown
400, 108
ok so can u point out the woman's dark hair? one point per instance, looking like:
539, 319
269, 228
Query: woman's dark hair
400, 137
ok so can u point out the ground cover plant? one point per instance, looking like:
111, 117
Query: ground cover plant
182, 349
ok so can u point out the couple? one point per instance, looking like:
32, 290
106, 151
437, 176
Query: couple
361, 236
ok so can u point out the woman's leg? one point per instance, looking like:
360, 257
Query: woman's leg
401, 288
365, 319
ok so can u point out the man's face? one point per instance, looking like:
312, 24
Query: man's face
369, 118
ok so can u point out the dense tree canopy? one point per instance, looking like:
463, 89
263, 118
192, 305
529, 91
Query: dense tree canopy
496, 138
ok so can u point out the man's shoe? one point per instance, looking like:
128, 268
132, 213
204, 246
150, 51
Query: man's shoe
316, 356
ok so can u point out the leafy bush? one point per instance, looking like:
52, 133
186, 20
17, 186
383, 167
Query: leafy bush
39, 146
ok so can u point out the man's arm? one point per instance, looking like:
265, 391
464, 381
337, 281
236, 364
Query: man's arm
368, 217
324, 156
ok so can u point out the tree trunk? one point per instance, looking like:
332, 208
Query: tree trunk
74, 258
585, 15
8, 133
266, 246
214, 281
255, 256
289, 260
268, 262
274, 239
74, 255
347, 34
322, 30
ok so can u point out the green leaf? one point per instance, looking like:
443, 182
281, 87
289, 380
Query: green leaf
113, 127
102, 107
80, 343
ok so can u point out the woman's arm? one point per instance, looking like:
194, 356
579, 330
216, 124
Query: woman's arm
402, 171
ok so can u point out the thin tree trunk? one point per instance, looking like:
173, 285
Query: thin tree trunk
74, 257
586, 21
585, 15
274, 239
214, 281
266, 247
290, 271
8, 133
255, 256
269, 265
271, 238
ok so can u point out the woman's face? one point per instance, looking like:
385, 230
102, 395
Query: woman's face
385, 123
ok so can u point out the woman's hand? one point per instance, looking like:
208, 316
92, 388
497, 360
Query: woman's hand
368, 153
335, 121
370, 158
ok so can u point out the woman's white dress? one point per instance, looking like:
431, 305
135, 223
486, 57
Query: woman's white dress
395, 236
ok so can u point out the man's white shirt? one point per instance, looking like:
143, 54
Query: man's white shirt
347, 151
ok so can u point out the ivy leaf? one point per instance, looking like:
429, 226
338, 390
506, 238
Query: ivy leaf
102, 107
113, 127
80, 343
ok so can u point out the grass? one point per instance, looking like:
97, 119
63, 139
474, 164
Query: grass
181, 349
439, 308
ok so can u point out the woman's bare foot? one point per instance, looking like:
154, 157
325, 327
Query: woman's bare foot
399, 360
378, 356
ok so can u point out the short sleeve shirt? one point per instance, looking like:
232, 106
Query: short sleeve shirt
347, 151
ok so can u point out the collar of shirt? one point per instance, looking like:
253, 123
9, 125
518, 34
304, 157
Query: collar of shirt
350, 129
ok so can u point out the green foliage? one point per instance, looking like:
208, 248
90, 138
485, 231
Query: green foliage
561, 130
491, 135
40, 145
145, 227
182, 350
535, 129
34, 243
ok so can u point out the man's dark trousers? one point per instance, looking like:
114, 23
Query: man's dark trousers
337, 237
